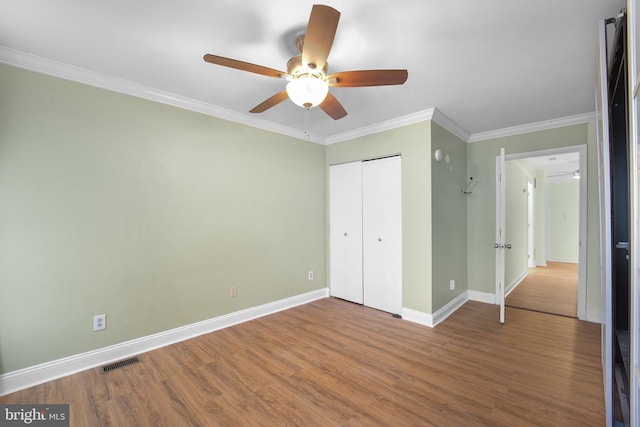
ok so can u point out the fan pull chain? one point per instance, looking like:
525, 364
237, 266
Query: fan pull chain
307, 135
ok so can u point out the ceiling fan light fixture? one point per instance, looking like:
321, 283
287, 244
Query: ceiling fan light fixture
307, 91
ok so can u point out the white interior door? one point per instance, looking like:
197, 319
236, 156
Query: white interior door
602, 136
345, 217
382, 233
500, 231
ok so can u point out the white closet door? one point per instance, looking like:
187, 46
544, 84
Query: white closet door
382, 233
345, 212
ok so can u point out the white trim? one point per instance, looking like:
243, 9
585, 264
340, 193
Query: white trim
450, 308
33, 375
483, 297
432, 320
430, 114
583, 234
92, 78
567, 260
61, 70
450, 125
512, 287
582, 263
533, 127
500, 244
416, 316
420, 116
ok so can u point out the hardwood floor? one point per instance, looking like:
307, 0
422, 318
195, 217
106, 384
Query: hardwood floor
333, 363
551, 289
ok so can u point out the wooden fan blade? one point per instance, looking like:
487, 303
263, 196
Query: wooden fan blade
321, 30
274, 100
368, 78
332, 107
244, 66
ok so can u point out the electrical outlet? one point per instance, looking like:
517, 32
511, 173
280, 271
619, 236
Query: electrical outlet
452, 284
99, 322
311, 275
233, 292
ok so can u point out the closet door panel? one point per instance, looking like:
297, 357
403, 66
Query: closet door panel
345, 211
382, 234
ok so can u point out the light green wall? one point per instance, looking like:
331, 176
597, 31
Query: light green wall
540, 222
449, 217
413, 143
148, 213
481, 157
145, 212
564, 220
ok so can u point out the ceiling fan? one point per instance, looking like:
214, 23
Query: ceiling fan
307, 73
574, 174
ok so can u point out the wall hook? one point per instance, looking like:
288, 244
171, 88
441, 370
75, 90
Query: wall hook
469, 186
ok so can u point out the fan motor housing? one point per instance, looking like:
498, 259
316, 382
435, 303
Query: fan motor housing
295, 68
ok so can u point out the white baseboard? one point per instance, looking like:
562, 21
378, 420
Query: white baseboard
484, 297
450, 308
416, 316
431, 320
567, 260
515, 283
34, 375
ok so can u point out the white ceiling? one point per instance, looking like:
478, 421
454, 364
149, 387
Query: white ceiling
486, 65
559, 166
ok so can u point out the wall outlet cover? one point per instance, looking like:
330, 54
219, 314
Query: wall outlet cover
99, 322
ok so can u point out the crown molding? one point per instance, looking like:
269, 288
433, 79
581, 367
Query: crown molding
450, 125
409, 119
533, 127
64, 71
53, 68
430, 114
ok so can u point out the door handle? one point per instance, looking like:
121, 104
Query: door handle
498, 246
622, 245
508, 246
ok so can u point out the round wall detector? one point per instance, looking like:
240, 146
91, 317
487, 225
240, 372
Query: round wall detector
437, 155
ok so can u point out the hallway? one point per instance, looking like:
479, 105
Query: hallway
552, 289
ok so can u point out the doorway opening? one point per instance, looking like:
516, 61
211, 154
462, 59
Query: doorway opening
545, 215
551, 289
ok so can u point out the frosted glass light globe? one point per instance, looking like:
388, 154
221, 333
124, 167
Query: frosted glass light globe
307, 91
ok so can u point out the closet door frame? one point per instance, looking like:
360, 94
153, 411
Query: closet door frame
346, 236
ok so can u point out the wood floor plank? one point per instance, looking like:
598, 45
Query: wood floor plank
335, 363
550, 289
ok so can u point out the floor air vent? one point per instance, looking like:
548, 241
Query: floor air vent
119, 364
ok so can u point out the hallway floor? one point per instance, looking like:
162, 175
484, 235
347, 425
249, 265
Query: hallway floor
552, 289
